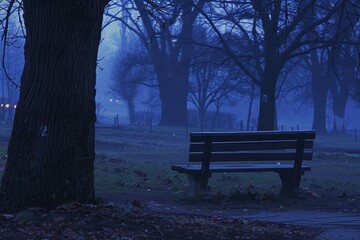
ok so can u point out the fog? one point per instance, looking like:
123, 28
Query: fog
291, 115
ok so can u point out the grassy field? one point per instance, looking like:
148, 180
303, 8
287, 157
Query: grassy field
135, 161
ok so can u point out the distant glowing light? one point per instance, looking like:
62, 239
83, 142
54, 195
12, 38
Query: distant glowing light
117, 100
15, 106
2, 105
7, 105
111, 100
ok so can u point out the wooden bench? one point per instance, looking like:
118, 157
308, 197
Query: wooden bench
262, 151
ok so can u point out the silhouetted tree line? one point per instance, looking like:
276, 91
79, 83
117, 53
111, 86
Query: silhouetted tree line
216, 52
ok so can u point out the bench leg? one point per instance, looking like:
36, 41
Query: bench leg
288, 185
200, 188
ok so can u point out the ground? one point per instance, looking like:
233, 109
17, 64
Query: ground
101, 221
132, 170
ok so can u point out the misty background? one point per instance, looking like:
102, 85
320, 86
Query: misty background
127, 84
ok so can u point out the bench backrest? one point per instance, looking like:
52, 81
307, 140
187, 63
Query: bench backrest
251, 146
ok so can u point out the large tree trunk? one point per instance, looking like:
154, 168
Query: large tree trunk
173, 96
174, 84
339, 88
267, 111
273, 63
320, 87
51, 149
320, 100
340, 95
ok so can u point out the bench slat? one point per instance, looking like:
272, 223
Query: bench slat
249, 156
246, 146
195, 168
250, 136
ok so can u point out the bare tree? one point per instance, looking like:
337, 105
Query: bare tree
166, 29
316, 62
130, 70
342, 59
275, 32
210, 85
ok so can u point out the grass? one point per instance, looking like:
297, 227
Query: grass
141, 163
137, 161
337, 141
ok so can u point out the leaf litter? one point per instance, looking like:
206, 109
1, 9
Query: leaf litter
109, 221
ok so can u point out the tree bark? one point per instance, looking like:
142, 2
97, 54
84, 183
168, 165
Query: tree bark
51, 149
320, 87
173, 95
340, 95
320, 100
267, 110
273, 64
